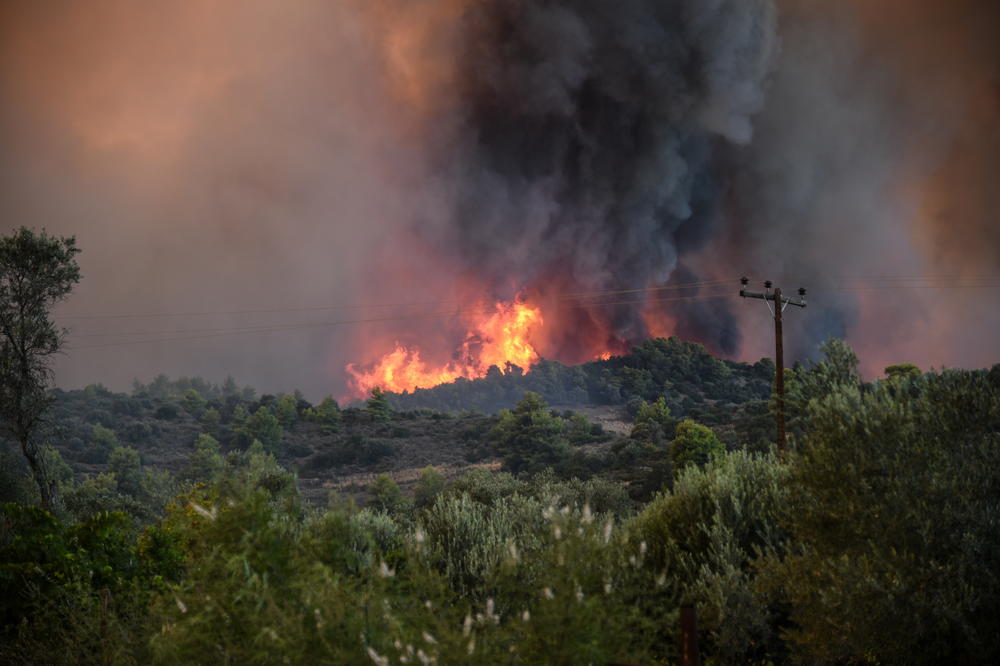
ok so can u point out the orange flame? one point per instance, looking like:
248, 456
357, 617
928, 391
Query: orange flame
497, 338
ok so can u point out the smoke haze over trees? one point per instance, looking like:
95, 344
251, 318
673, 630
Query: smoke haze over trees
224, 157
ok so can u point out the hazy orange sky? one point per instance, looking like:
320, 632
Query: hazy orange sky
215, 156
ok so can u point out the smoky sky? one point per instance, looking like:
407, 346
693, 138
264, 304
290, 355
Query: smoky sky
229, 158
591, 135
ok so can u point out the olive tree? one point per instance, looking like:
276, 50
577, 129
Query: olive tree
36, 271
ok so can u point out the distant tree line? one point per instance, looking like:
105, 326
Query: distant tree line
683, 373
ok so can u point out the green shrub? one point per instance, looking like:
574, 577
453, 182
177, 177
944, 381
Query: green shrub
894, 498
430, 484
385, 495
694, 444
708, 532
530, 437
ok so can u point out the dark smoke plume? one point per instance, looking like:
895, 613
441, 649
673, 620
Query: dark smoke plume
592, 140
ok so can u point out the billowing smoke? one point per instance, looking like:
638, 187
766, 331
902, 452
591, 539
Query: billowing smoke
616, 146
870, 159
223, 156
589, 146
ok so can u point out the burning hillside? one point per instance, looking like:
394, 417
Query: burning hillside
499, 334
581, 145
496, 336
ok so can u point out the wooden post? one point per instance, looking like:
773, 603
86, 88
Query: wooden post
779, 370
689, 636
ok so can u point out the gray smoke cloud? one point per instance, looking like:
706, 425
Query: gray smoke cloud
591, 139
881, 123
624, 145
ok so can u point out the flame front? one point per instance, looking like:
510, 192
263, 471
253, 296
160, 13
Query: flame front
497, 337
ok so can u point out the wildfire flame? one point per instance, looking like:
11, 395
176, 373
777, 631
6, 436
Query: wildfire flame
497, 337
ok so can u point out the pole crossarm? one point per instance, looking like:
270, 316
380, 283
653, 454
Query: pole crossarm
787, 300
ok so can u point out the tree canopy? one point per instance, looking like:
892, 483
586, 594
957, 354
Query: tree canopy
36, 271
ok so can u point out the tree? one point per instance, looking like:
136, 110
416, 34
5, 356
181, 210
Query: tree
327, 414
530, 436
36, 272
385, 494
193, 402
240, 416
103, 438
206, 461
229, 387
124, 463
902, 371
708, 531
653, 421
378, 406
210, 421
838, 370
429, 486
262, 426
287, 411
695, 444
894, 497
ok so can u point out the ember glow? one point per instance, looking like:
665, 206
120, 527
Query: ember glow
496, 336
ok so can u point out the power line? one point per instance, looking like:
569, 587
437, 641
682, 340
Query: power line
573, 300
359, 306
944, 281
448, 313
329, 324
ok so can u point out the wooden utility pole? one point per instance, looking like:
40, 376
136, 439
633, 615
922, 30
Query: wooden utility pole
780, 303
779, 370
689, 636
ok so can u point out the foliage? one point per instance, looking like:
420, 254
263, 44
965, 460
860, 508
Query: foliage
353, 449
656, 368
125, 465
877, 526
385, 495
327, 415
36, 272
287, 411
694, 444
902, 371
205, 461
579, 430
837, 371
707, 533
894, 502
211, 420
653, 422
193, 402
262, 426
102, 442
377, 406
430, 484
71, 594
530, 437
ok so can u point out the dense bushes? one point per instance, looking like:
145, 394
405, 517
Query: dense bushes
877, 526
894, 501
76, 593
656, 368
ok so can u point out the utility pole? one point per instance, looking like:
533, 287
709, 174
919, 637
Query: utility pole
689, 636
780, 303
